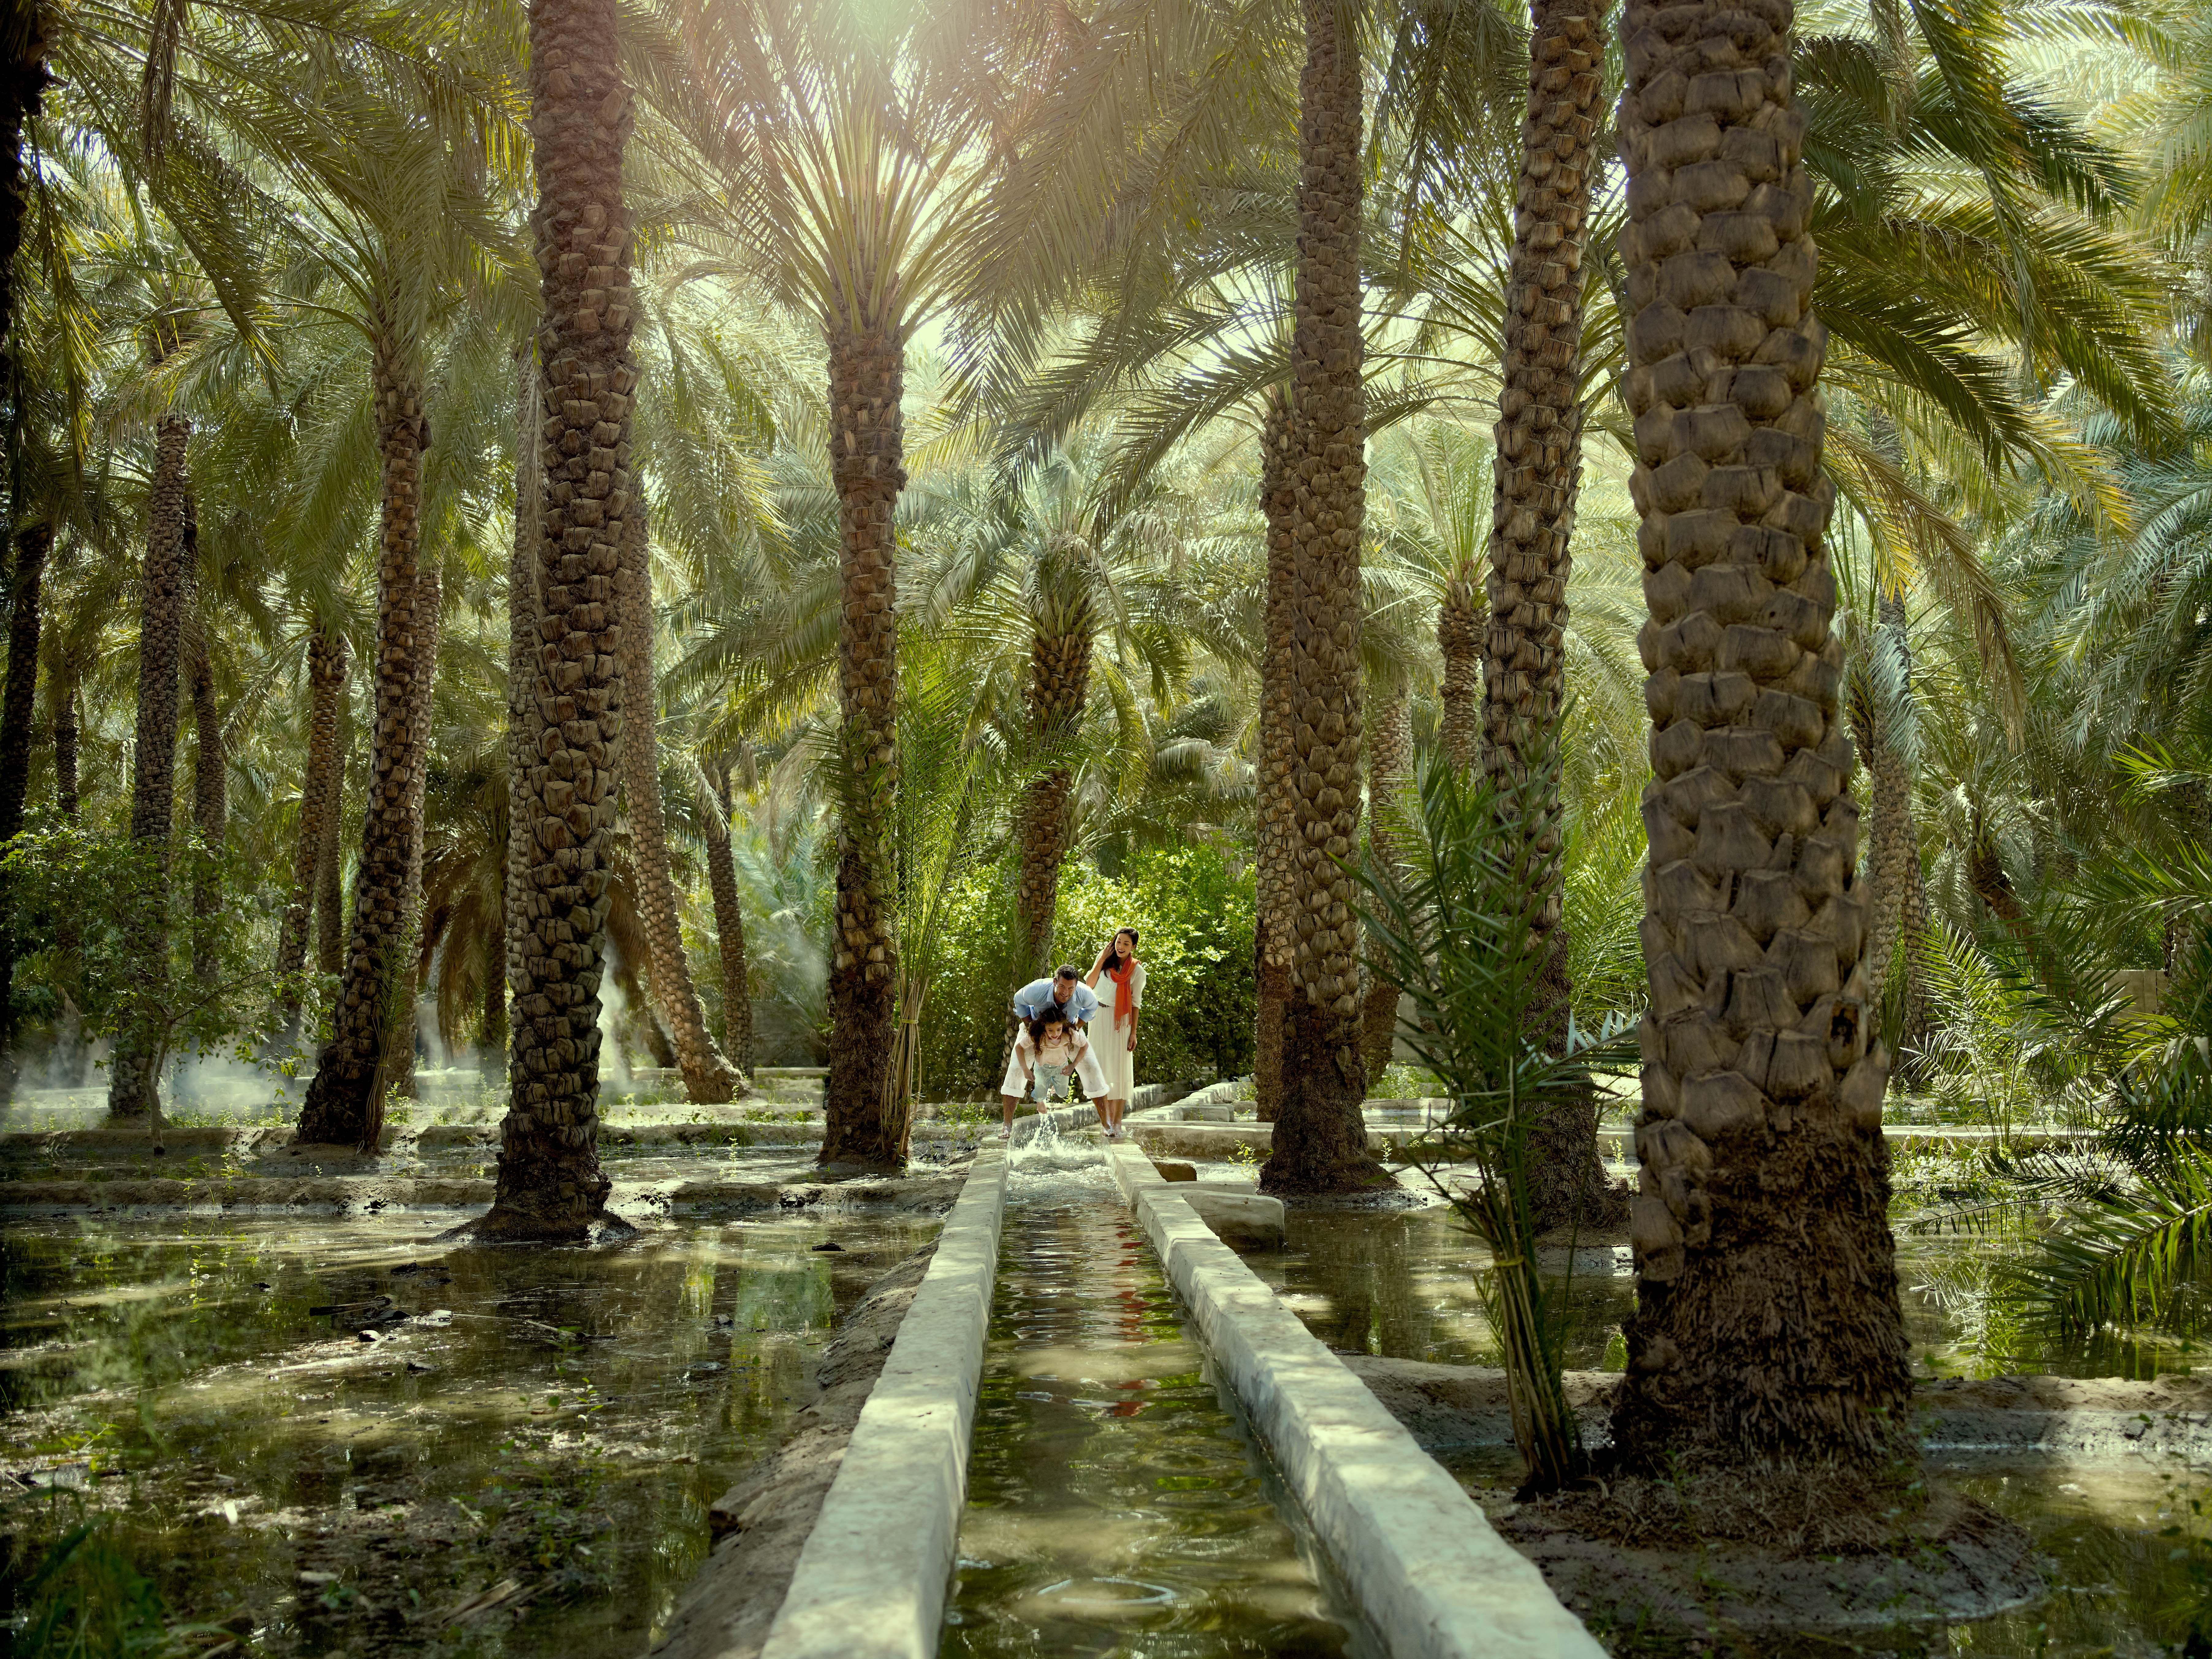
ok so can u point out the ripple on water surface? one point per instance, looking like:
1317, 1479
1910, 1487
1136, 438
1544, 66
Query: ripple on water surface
1114, 1505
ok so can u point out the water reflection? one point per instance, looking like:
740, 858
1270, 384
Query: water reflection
1115, 1506
345, 1436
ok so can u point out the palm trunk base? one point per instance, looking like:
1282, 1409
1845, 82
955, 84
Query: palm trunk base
1568, 1185
1781, 1338
550, 1190
1321, 1136
858, 1132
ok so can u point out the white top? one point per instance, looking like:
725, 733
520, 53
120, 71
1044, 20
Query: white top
1109, 992
1062, 1050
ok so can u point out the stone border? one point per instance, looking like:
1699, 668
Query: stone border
872, 1581
1422, 1562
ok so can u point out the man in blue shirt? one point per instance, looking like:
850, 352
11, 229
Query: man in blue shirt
1066, 991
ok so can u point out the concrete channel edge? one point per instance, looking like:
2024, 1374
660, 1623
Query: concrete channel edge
872, 1580
1423, 1563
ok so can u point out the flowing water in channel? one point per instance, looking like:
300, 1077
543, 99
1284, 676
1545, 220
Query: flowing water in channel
517, 1461
1115, 1505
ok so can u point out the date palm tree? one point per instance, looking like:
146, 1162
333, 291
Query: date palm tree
1767, 1319
856, 155
319, 807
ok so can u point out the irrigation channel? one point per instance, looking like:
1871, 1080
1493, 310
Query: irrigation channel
1117, 1502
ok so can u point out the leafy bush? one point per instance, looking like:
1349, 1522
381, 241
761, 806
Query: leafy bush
1193, 911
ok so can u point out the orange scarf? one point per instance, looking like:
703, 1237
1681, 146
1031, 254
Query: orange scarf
1121, 976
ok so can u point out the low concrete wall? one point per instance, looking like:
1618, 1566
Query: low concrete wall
872, 1581
1423, 1563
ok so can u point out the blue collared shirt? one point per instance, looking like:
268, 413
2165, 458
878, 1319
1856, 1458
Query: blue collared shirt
1034, 999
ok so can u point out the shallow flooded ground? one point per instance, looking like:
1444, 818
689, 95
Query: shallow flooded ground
343, 1437
1116, 1503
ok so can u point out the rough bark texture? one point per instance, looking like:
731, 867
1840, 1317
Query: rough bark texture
1459, 619
17, 723
1389, 774
345, 1101
1536, 477
549, 1181
429, 618
523, 729
1058, 689
133, 1081
1767, 1323
15, 726
330, 870
210, 807
866, 372
1321, 1138
1274, 933
23, 82
729, 929
319, 806
66, 737
707, 1075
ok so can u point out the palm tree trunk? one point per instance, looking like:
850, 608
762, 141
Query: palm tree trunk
729, 929
550, 1181
330, 869
134, 1071
65, 741
1058, 689
1390, 771
1767, 1325
319, 806
1321, 1138
16, 705
867, 374
1274, 933
23, 82
1893, 841
707, 1077
399, 1046
523, 727
1460, 616
345, 1101
211, 810
1537, 475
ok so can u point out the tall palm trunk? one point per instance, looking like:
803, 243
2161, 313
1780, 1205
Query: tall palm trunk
345, 1103
1459, 618
330, 868
708, 1076
1390, 771
399, 1045
550, 1181
524, 725
1536, 477
1275, 930
1320, 1137
65, 741
1767, 1324
866, 375
729, 929
15, 726
319, 806
23, 82
1058, 689
134, 1071
211, 810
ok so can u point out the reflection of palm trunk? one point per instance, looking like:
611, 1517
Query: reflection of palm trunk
707, 1077
134, 1081
1271, 935
319, 806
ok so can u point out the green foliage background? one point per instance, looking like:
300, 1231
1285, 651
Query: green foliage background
1193, 908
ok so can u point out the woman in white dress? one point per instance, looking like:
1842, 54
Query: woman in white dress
1119, 979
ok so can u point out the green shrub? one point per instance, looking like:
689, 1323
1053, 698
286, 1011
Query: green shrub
1193, 911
